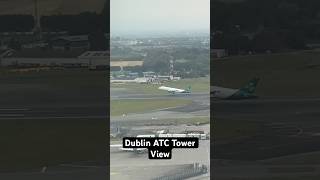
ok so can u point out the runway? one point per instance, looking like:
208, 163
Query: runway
63, 111
54, 105
200, 107
273, 109
125, 165
289, 126
38, 105
59, 172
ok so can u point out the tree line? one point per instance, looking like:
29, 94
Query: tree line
259, 25
82, 23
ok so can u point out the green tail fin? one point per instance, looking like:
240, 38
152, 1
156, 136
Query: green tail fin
250, 87
247, 91
188, 89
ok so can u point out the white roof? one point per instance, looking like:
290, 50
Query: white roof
95, 54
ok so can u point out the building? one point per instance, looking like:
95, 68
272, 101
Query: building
123, 64
80, 42
96, 59
218, 53
54, 58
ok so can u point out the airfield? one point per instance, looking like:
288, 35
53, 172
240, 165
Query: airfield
58, 118
271, 137
281, 140
54, 119
192, 114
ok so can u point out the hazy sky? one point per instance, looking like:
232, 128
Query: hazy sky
136, 16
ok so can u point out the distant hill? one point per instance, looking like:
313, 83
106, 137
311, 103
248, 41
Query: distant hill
51, 7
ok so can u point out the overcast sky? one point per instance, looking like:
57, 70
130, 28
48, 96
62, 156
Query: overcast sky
138, 16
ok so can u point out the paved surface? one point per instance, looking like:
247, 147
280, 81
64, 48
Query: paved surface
290, 127
200, 107
84, 111
53, 104
21, 103
126, 165
60, 172
129, 165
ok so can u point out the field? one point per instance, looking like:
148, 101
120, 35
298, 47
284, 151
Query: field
198, 85
201, 120
288, 74
70, 78
34, 142
31, 144
119, 107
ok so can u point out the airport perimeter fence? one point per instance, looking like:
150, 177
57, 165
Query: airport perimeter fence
192, 170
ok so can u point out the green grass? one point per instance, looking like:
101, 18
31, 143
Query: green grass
173, 121
197, 85
287, 74
69, 78
119, 107
30, 144
189, 121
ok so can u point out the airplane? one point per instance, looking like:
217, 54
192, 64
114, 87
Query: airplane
245, 92
176, 90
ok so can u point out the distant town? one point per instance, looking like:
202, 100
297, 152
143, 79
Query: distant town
157, 59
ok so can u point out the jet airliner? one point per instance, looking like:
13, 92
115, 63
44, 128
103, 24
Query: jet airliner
245, 92
176, 90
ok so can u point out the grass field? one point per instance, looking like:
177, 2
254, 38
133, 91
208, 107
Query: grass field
188, 121
70, 78
119, 107
197, 85
169, 122
31, 144
288, 74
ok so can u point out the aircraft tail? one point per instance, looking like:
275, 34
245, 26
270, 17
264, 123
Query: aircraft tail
188, 89
247, 91
250, 87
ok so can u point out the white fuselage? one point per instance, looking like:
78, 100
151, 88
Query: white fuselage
172, 90
221, 92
